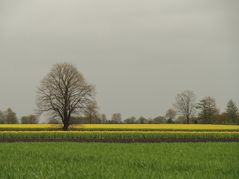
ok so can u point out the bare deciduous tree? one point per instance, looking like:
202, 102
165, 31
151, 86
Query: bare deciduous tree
116, 118
10, 117
103, 118
63, 93
170, 115
185, 104
91, 112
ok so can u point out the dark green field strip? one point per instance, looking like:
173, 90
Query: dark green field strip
116, 140
104, 136
107, 161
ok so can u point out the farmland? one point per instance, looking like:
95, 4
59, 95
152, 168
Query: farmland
119, 151
98, 160
120, 133
117, 136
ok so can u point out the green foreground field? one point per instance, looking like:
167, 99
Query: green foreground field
103, 160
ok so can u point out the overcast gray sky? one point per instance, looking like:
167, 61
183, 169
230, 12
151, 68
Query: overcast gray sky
138, 53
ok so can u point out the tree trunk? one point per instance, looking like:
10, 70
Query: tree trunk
90, 120
188, 120
65, 127
66, 124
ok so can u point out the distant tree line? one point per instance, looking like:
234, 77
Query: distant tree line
10, 117
185, 110
67, 98
203, 112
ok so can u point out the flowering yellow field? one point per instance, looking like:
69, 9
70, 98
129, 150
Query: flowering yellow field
156, 126
119, 132
30, 126
125, 126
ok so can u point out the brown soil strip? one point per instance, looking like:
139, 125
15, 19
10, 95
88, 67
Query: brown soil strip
167, 140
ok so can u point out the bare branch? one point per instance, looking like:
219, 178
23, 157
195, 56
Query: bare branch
185, 104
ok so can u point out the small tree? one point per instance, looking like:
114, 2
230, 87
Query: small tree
208, 110
131, 120
170, 115
142, 120
221, 118
116, 118
232, 111
10, 117
185, 104
159, 120
63, 93
91, 112
32, 119
103, 119
1, 117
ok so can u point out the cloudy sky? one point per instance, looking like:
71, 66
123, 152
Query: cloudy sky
138, 53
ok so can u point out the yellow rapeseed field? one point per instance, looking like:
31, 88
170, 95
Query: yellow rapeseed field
118, 132
156, 126
125, 126
30, 126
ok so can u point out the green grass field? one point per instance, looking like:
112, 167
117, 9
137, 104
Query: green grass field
103, 160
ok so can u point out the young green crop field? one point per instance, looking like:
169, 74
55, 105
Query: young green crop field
118, 136
103, 160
